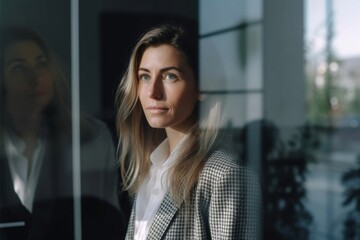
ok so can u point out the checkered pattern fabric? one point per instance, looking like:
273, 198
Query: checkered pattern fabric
224, 205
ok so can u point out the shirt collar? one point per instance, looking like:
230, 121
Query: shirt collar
161, 155
16, 141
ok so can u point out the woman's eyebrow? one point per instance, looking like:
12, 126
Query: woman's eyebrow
171, 68
15, 60
22, 60
163, 69
144, 69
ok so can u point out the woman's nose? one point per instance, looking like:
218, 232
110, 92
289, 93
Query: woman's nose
35, 76
31, 75
155, 90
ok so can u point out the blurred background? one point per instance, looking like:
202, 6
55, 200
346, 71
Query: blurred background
288, 72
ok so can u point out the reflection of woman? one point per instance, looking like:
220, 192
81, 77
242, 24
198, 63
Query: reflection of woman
186, 186
36, 155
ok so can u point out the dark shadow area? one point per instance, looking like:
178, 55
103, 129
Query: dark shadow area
100, 220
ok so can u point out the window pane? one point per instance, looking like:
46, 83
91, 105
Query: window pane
332, 78
38, 161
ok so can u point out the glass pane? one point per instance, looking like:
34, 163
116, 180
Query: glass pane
332, 78
231, 60
235, 115
37, 165
36, 135
219, 15
231, 73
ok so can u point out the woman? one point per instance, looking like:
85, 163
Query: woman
36, 193
185, 186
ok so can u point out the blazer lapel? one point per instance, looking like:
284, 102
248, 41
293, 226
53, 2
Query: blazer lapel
163, 218
11, 209
131, 227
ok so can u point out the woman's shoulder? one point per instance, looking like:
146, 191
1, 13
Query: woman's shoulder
222, 167
222, 174
221, 161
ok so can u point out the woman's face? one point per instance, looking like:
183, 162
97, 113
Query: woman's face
28, 82
167, 88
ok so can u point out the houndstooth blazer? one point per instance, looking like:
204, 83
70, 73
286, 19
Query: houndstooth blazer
224, 205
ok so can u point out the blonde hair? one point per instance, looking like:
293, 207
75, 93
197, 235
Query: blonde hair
137, 139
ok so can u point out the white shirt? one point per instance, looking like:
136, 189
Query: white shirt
24, 180
152, 191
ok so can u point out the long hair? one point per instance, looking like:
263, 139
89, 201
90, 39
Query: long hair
57, 112
137, 139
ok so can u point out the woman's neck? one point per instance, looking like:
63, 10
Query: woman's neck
174, 137
26, 126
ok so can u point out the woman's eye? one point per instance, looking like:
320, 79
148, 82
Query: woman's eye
170, 76
19, 69
42, 65
144, 77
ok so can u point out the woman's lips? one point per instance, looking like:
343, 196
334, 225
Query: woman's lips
154, 109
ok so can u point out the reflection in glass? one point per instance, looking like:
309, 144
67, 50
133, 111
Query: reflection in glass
36, 152
351, 180
332, 78
231, 61
284, 170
